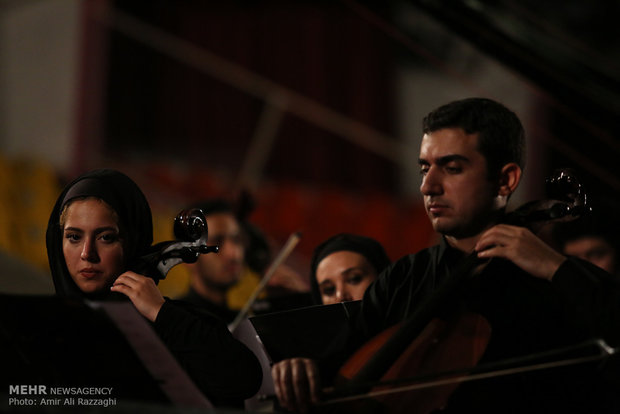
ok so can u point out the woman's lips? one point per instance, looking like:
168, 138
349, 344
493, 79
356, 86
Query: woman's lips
89, 273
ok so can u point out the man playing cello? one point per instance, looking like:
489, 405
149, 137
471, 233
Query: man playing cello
535, 299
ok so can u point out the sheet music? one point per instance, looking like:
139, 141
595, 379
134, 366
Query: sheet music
246, 333
157, 359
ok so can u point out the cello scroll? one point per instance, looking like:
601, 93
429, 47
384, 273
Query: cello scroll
191, 232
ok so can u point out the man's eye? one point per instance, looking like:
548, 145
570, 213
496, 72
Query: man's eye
454, 170
216, 240
423, 170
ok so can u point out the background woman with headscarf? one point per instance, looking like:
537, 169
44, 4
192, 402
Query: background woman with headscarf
100, 227
343, 266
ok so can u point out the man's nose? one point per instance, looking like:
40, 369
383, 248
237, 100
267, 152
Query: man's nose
231, 248
431, 183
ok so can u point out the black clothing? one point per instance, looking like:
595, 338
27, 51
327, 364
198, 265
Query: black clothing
220, 365
526, 315
223, 369
225, 314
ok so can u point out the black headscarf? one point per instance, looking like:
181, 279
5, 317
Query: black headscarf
371, 249
129, 203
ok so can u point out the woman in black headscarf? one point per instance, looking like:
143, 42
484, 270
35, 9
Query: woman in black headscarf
99, 229
343, 266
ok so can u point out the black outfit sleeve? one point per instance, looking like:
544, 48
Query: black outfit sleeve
222, 367
527, 315
398, 291
591, 297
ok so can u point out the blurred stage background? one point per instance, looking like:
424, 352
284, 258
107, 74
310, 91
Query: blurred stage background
313, 107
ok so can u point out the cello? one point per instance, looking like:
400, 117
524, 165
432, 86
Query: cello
441, 336
191, 234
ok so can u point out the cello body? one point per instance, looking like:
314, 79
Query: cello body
446, 345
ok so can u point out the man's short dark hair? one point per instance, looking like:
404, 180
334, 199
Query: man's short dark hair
215, 206
501, 136
257, 253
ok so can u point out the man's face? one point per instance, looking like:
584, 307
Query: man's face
459, 199
223, 269
593, 249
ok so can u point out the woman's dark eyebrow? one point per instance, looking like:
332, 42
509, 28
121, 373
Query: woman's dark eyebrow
97, 230
352, 269
102, 229
344, 272
75, 229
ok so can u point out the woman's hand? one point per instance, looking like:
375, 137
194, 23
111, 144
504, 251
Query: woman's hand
142, 292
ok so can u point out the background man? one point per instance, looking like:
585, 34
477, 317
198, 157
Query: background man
595, 237
214, 274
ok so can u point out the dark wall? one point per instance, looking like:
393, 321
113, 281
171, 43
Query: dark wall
160, 108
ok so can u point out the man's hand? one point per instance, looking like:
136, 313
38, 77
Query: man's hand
522, 247
297, 383
142, 291
286, 278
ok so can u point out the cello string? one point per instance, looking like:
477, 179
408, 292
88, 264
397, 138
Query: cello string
605, 352
600, 345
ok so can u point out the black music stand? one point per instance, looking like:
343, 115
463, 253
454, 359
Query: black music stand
315, 332
55, 342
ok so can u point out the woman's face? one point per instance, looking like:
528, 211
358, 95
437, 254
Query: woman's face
91, 245
344, 276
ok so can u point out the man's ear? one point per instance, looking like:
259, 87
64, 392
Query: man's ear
509, 179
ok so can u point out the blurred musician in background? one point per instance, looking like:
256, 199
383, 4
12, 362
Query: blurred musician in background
243, 252
594, 237
214, 274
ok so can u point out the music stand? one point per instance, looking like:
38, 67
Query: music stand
312, 332
56, 342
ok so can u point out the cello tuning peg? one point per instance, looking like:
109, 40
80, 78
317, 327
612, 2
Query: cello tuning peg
564, 185
190, 225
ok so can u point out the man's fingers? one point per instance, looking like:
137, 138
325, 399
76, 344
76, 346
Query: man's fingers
282, 382
296, 383
314, 380
300, 384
